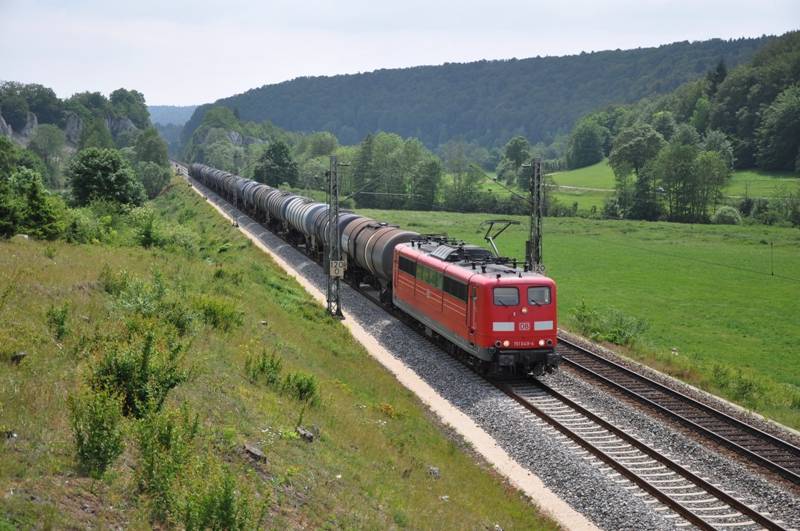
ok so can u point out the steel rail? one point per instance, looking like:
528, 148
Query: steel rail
763, 443
640, 481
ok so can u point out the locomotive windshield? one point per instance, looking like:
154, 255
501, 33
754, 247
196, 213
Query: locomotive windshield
539, 295
506, 296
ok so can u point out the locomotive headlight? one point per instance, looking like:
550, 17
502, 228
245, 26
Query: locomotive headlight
524, 309
541, 342
506, 343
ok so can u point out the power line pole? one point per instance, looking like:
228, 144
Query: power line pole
533, 246
334, 264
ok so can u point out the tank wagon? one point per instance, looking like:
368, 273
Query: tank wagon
502, 318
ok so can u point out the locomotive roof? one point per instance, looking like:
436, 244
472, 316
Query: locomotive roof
471, 259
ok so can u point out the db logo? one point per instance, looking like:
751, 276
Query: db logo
524, 327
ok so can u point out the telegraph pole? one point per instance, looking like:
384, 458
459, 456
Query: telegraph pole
334, 264
533, 246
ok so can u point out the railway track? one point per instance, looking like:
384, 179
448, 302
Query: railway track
750, 442
687, 495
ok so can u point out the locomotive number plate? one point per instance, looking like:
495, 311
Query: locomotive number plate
523, 327
337, 268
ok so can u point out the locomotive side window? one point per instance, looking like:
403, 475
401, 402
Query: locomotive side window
429, 276
539, 295
506, 296
408, 266
455, 288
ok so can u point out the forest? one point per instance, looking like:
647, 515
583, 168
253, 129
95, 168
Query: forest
484, 102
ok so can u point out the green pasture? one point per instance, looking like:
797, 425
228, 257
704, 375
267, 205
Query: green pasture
717, 316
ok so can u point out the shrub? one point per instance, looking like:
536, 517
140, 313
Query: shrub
164, 441
302, 386
216, 504
264, 365
143, 220
114, 283
726, 215
219, 313
612, 326
57, 320
142, 374
96, 421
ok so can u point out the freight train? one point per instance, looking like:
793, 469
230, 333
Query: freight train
500, 317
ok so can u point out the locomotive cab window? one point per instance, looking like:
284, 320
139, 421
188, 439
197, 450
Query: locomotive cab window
506, 296
408, 266
539, 295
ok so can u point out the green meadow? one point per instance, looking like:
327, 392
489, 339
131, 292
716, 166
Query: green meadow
716, 314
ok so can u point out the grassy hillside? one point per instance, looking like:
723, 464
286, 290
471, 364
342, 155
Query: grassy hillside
485, 101
705, 291
202, 286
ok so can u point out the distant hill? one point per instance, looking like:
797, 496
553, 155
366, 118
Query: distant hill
486, 101
170, 114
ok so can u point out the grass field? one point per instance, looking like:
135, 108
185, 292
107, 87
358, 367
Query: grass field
755, 183
706, 291
367, 467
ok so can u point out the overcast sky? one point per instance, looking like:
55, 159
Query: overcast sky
192, 51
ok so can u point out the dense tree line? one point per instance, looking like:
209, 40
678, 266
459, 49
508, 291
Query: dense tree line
673, 154
485, 102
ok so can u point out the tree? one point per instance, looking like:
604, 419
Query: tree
364, 176
778, 136
717, 141
711, 174
716, 76
664, 123
517, 150
48, 142
322, 144
276, 166
95, 134
43, 215
586, 144
687, 135
151, 148
633, 148
8, 157
96, 173
15, 110
674, 168
44, 103
131, 103
153, 177
424, 185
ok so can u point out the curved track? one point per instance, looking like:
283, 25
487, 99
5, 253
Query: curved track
688, 495
748, 441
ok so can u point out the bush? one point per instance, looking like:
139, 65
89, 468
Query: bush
302, 386
96, 173
96, 425
612, 326
153, 177
219, 313
266, 366
57, 320
726, 215
164, 441
114, 283
216, 504
142, 374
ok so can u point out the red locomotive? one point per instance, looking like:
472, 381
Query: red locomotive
502, 316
